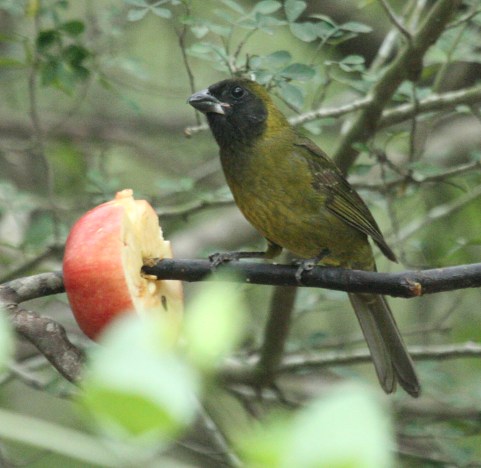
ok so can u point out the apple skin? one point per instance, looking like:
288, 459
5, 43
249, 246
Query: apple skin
104, 253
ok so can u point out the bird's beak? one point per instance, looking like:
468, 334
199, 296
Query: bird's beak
204, 102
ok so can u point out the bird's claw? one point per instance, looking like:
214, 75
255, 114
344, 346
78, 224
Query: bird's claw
219, 258
308, 264
303, 266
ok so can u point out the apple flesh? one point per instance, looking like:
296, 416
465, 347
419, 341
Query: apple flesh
104, 254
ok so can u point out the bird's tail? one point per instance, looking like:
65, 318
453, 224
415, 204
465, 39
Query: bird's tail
389, 354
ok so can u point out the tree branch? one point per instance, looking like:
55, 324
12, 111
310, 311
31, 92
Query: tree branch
405, 284
276, 333
45, 334
395, 20
436, 102
51, 340
237, 370
405, 66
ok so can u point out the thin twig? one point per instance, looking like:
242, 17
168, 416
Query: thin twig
191, 208
217, 438
418, 179
395, 20
244, 370
332, 112
386, 50
434, 103
439, 212
466, 18
52, 251
406, 66
181, 35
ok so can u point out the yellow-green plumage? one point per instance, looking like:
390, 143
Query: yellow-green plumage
297, 198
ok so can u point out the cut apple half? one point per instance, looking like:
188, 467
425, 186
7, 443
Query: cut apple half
104, 254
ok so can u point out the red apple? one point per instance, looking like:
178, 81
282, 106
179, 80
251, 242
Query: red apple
104, 254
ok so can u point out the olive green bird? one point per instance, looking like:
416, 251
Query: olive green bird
298, 199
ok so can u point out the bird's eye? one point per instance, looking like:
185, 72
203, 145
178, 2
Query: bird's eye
237, 92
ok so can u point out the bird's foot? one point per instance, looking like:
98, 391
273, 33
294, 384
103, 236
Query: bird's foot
303, 266
308, 265
219, 258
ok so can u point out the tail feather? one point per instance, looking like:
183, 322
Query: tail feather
390, 356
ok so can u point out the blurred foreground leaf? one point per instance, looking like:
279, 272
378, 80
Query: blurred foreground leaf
55, 438
136, 388
214, 323
346, 429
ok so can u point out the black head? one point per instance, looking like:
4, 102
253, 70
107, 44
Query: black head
236, 109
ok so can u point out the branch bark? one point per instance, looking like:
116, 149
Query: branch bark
238, 371
51, 339
404, 284
48, 336
276, 333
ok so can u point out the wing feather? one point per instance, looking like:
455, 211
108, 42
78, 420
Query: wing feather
341, 199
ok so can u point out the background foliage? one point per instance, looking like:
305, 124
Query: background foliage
93, 100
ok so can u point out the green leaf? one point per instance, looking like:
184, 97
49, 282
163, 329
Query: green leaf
137, 3
306, 32
298, 71
276, 59
46, 39
353, 59
73, 28
75, 54
263, 77
361, 169
223, 31
135, 386
352, 63
356, 27
355, 433
266, 23
7, 62
58, 439
266, 7
292, 94
248, 23
199, 31
137, 14
233, 5
162, 12
426, 169
6, 341
294, 9
324, 19
214, 324
226, 15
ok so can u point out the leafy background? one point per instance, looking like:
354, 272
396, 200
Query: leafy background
93, 100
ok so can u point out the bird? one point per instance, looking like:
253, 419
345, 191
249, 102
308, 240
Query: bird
298, 199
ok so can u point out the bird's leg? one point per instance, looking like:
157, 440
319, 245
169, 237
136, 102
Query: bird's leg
273, 250
309, 263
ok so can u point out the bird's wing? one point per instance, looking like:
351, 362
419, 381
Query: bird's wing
341, 199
